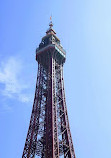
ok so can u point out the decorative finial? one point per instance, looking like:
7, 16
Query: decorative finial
51, 18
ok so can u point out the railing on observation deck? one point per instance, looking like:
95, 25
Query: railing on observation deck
57, 45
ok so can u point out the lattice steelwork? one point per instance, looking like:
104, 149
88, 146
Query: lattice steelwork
49, 133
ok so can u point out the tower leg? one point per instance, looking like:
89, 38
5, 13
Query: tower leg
65, 139
30, 148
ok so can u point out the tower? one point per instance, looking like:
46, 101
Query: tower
49, 133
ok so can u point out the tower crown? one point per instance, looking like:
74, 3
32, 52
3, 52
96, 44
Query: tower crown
51, 43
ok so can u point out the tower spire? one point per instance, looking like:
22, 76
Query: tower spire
51, 24
50, 30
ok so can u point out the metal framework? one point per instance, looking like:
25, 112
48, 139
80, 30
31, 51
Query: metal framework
49, 133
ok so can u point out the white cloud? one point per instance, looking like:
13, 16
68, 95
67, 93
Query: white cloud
11, 79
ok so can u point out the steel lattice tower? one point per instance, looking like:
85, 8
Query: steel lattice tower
49, 133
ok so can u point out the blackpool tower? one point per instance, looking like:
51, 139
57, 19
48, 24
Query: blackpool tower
49, 133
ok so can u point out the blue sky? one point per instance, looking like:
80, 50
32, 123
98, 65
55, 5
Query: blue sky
84, 27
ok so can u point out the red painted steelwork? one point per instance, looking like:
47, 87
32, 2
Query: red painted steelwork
49, 133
